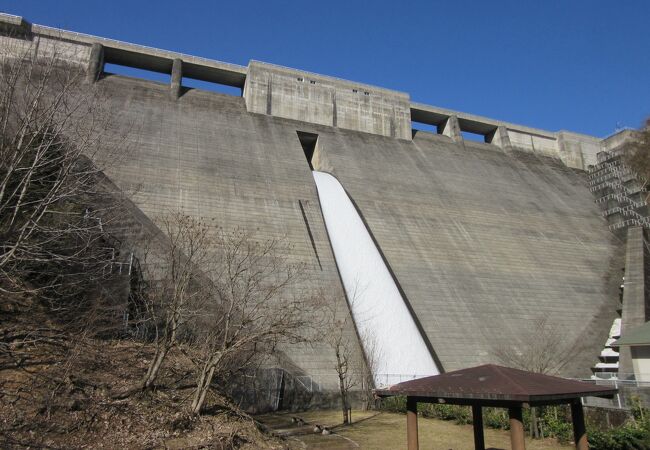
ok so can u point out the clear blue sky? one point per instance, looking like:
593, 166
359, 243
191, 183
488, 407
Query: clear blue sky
579, 65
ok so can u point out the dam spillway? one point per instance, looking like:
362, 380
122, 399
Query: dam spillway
382, 319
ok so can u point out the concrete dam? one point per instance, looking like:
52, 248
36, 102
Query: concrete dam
477, 241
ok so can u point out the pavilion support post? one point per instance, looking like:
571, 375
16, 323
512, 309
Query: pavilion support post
579, 430
516, 429
412, 423
477, 420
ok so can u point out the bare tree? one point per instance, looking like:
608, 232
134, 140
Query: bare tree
175, 283
251, 309
637, 156
57, 259
368, 365
543, 350
52, 206
349, 362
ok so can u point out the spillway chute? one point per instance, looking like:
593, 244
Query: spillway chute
378, 309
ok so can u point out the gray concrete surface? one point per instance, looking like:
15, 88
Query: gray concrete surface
484, 242
636, 291
484, 239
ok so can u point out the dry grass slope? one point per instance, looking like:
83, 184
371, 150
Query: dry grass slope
55, 392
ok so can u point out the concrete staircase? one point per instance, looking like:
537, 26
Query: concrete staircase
623, 196
620, 192
608, 365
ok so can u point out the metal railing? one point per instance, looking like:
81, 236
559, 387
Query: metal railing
389, 379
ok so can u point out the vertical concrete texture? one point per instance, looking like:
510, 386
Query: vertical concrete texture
635, 292
204, 154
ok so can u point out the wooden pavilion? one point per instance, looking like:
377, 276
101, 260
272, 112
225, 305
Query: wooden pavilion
501, 387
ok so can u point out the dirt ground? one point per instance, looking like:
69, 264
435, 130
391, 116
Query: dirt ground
56, 392
372, 430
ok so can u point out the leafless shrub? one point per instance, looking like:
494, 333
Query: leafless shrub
53, 207
253, 307
543, 350
57, 259
368, 365
176, 287
637, 156
350, 366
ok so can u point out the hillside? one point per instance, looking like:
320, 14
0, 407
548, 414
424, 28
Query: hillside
57, 389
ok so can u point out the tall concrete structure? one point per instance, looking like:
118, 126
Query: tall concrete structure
484, 239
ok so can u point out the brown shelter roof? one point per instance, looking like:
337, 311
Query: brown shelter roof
496, 383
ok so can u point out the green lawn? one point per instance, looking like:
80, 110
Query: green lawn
388, 431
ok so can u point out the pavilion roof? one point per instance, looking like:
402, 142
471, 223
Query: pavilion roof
496, 383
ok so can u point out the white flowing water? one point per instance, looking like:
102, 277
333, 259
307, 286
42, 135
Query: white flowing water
378, 309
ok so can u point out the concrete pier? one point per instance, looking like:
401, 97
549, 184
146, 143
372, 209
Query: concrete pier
451, 128
500, 137
95, 63
176, 79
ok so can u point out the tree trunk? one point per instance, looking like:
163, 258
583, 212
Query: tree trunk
202, 388
162, 349
534, 426
344, 400
154, 367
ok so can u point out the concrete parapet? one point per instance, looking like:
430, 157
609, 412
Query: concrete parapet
619, 139
298, 95
534, 143
14, 25
578, 150
131, 55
